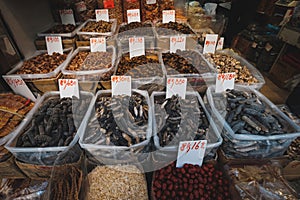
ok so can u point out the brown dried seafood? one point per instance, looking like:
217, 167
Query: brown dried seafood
179, 119
173, 28
259, 182
137, 29
294, 149
88, 12
54, 123
13, 109
97, 27
61, 28
42, 64
117, 182
140, 66
226, 64
166, 5
119, 121
150, 11
185, 62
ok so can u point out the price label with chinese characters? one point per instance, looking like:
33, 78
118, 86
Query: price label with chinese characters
68, 88
220, 44
54, 44
168, 16
98, 44
151, 1
133, 15
191, 152
210, 43
224, 81
67, 16
177, 42
136, 46
102, 14
80, 6
176, 86
121, 85
17, 84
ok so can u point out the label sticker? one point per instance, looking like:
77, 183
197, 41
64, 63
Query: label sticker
54, 44
133, 15
176, 86
121, 85
136, 46
68, 88
191, 152
177, 42
168, 16
224, 81
98, 44
102, 14
67, 16
17, 84
210, 43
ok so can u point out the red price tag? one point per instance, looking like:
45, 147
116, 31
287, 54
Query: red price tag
64, 83
121, 85
226, 76
136, 46
67, 16
176, 81
210, 43
54, 44
68, 88
102, 14
191, 152
98, 44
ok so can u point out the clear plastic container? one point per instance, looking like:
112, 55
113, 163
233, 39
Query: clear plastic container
43, 155
87, 35
114, 154
250, 145
90, 75
65, 34
165, 155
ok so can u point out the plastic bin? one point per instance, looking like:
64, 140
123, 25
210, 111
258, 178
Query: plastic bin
235, 145
64, 34
107, 154
44, 155
164, 155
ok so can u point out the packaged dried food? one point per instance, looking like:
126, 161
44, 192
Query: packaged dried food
85, 9
114, 9
176, 120
130, 5
150, 11
120, 133
50, 130
251, 125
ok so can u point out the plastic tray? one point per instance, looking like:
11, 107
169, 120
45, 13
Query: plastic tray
251, 68
137, 82
113, 154
35, 155
84, 74
86, 35
49, 75
163, 41
269, 146
168, 153
66, 35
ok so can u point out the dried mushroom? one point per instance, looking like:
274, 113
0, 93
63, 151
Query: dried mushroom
97, 27
173, 28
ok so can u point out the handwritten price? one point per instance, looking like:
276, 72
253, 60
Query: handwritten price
66, 12
187, 146
67, 83
136, 40
133, 14
118, 79
176, 81
15, 82
208, 43
101, 12
97, 40
226, 77
52, 39
169, 12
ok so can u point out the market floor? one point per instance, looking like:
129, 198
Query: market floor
274, 93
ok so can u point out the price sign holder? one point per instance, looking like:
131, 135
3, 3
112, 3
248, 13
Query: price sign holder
67, 16
168, 16
102, 14
191, 152
68, 88
176, 86
133, 15
17, 84
177, 42
220, 44
224, 81
98, 44
210, 43
54, 44
121, 85
136, 46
